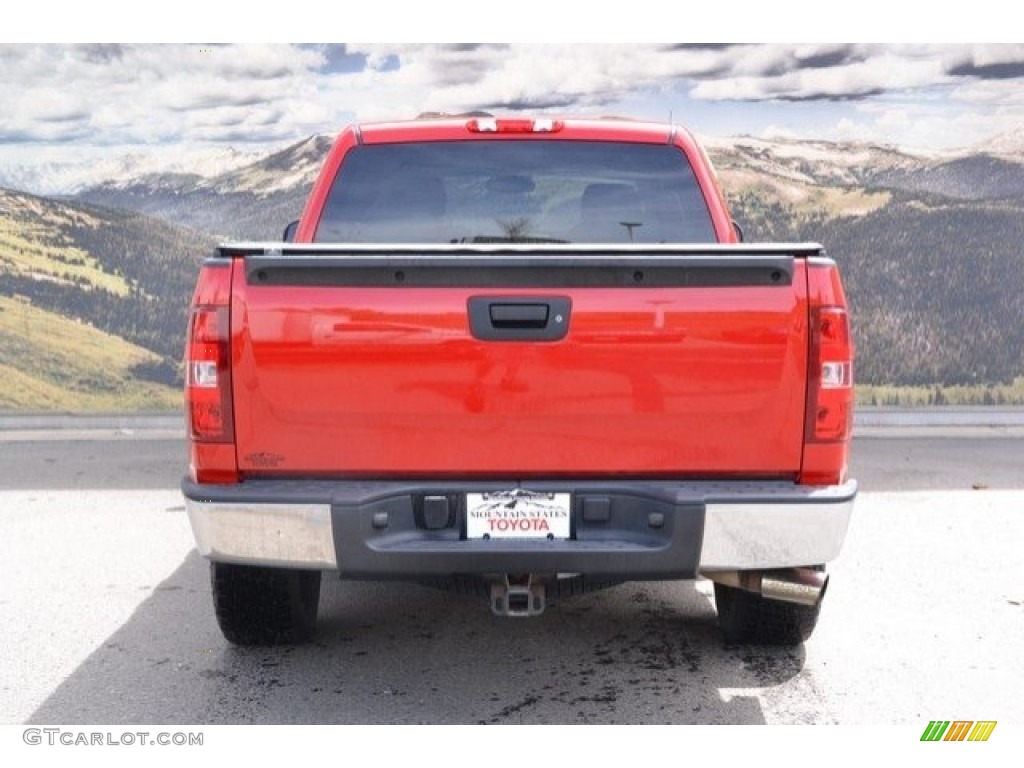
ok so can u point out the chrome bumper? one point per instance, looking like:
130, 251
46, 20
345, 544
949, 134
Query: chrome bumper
731, 526
285, 535
805, 529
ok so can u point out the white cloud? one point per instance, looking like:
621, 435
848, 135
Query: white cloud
854, 79
131, 95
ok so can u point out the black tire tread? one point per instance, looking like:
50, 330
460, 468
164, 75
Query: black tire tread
748, 618
264, 606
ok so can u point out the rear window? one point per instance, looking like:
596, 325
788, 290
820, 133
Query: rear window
515, 191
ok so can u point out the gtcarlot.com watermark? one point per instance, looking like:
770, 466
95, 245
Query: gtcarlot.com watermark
62, 737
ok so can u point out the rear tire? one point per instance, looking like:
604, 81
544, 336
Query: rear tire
748, 618
264, 606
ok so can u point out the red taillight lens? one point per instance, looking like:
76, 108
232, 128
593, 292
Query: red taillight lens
830, 384
208, 372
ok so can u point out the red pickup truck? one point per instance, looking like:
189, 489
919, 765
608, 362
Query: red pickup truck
528, 356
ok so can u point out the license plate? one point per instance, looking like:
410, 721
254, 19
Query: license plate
518, 514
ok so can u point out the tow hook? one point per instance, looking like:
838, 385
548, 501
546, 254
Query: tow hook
518, 596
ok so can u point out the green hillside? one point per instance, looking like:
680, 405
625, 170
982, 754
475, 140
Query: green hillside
936, 290
95, 303
50, 362
34, 244
933, 283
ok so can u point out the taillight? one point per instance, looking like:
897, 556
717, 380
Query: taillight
209, 376
830, 385
513, 125
828, 423
208, 357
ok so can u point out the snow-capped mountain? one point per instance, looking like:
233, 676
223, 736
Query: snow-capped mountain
788, 168
897, 220
293, 167
68, 178
266, 172
1007, 145
809, 162
254, 200
251, 194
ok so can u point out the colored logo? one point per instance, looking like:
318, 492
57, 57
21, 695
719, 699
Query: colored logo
958, 730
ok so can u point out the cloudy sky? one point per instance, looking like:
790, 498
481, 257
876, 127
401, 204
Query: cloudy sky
71, 101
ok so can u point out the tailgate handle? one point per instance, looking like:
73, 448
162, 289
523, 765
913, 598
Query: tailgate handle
515, 318
519, 315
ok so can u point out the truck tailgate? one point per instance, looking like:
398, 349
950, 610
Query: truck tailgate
655, 362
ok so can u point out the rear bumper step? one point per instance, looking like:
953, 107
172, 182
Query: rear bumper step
625, 529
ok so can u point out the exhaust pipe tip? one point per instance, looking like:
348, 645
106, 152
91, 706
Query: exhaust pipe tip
802, 586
